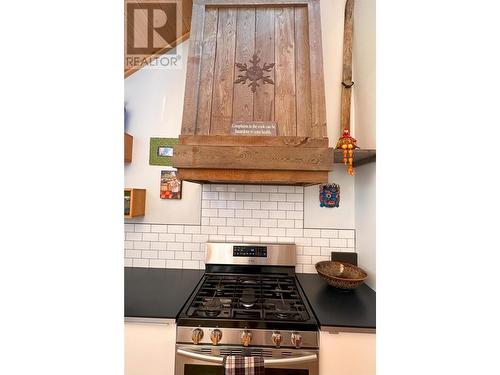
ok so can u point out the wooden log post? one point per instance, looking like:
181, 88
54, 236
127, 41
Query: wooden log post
347, 83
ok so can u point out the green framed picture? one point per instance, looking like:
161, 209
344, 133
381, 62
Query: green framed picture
161, 150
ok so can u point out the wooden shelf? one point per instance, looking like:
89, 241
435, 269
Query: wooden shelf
360, 157
129, 140
134, 202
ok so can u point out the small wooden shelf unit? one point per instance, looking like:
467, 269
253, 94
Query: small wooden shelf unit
129, 140
134, 202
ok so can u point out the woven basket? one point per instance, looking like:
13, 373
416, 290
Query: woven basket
341, 275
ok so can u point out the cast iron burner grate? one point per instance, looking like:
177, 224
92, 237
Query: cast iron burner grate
248, 297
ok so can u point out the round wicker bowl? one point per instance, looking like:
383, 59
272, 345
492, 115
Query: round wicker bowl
340, 274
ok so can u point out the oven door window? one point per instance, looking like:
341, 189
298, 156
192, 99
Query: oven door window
219, 370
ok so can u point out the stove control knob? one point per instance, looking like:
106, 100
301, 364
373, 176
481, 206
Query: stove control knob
197, 335
296, 339
276, 337
246, 337
216, 336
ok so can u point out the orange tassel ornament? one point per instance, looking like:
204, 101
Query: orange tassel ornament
347, 144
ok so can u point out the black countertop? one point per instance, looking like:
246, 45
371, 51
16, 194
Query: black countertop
332, 307
161, 293
158, 292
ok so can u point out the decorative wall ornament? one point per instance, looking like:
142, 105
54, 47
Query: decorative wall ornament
254, 73
170, 185
329, 195
161, 150
347, 144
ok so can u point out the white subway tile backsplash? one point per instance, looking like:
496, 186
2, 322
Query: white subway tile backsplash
268, 223
260, 231
295, 197
320, 242
166, 237
209, 212
286, 189
286, 206
133, 253
174, 263
227, 196
158, 246
150, 254
226, 213
226, 230
128, 262
166, 254
235, 213
312, 233
343, 233
252, 188
175, 229
286, 224
260, 214
278, 232
142, 228
338, 242
150, 236
191, 246
277, 214
175, 246
159, 228
209, 195
269, 189
157, 263
218, 204
131, 236
294, 215
183, 237
140, 263
243, 213
182, 255
277, 197
193, 229
251, 205
236, 188
294, 232
218, 221
235, 204
329, 233
251, 222
208, 230
129, 227
234, 222
269, 205
243, 231
141, 245
200, 238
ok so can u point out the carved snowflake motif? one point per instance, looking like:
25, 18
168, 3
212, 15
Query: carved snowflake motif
254, 73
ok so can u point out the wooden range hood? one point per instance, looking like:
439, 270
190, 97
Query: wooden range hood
254, 63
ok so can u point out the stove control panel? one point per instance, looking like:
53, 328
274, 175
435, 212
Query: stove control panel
249, 251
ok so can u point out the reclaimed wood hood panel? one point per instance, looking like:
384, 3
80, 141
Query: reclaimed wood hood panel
254, 62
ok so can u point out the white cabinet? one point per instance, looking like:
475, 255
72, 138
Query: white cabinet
149, 346
346, 353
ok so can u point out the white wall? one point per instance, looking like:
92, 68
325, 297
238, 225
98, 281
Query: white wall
154, 97
364, 89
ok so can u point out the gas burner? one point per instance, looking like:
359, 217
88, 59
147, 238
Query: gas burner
213, 307
248, 281
247, 298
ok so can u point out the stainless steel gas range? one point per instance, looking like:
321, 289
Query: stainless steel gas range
248, 303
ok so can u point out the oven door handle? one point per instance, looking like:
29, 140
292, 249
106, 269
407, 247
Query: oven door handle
267, 362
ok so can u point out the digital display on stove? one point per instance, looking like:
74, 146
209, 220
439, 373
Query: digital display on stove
250, 251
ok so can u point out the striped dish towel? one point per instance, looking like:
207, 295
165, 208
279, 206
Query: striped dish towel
238, 365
